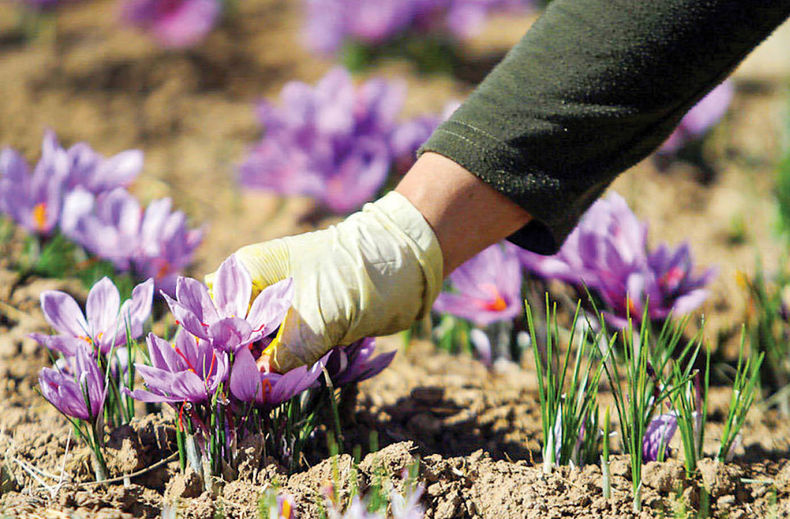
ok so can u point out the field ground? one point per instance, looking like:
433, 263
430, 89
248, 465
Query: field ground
476, 431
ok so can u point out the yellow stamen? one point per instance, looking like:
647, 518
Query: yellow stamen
40, 216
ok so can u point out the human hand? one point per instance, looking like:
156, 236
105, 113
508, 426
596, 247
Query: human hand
372, 274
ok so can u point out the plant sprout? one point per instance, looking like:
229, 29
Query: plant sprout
744, 391
568, 392
690, 404
643, 388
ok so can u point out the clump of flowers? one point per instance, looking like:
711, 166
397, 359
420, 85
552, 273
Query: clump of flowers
700, 119
331, 23
486, 292
607, 253
214, 372
334, 142
329, 142
93, 352
173, 23
78, 194
154, 242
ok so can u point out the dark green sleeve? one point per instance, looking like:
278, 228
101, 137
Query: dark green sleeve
592, 88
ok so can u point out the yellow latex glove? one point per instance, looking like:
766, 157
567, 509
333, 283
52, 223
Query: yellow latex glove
372, 274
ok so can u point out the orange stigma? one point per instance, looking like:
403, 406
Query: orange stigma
40, 215
497, 305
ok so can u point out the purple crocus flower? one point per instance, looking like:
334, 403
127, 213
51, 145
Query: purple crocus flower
702, 117
607, 253
329, 142
107, 319
188, 370
659, 433
330, 23
93, 172
225, 319
410, 135
464, 18
354, 363
36, 200
153, 243
79, 393
33, 200
248, 384
173, 23
487, 287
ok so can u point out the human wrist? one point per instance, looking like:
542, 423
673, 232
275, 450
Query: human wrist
466, 214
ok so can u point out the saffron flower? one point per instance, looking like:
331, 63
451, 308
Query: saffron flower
331, 23
608, 254
153, 243
189, 370
329, 142
410, 135
93, 172
79, 393
173, 23
105, 322
487, 287
33, 200
225, 321
658, 434
36, 201
250, 385
700, 119
355, 362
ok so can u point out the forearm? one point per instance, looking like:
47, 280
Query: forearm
594, 87
466, 214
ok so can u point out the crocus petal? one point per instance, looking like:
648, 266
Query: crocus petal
64, 344
194, 296
269, 308
245, 380
293, 383
230, 334
118, 170
63, 313
186, 318
137, 309
183, 385
102, 308
232, 288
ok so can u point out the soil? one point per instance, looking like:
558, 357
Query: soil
475, 431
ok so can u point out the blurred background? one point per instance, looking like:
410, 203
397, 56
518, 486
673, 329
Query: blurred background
183, 81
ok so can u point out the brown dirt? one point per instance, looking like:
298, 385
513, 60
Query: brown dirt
476, 432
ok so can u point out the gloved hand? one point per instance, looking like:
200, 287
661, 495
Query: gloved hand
372, 274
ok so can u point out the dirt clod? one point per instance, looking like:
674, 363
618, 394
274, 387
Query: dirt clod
663, 477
